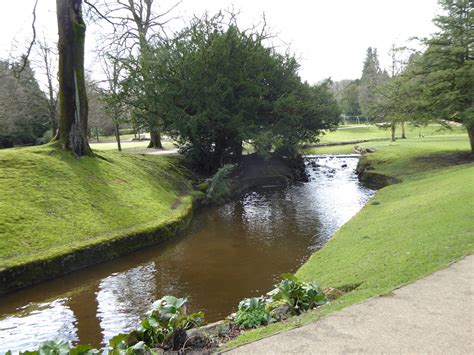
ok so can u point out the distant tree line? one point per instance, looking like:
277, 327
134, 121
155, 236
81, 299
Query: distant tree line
434, 85
24, 114
215, 87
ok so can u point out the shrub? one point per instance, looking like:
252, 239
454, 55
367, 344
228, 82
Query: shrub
46, 138
219, 186
252, 313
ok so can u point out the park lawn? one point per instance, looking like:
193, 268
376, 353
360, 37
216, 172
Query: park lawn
130, 147
52, 203
407, 231
348, 133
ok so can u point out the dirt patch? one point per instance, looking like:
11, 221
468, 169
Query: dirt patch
177, 202
448, 159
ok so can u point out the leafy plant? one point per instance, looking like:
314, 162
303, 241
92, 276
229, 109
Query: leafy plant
60, 347
168, 317
300, 296
219, 187
252, 313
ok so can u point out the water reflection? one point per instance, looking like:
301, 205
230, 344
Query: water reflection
124, 297
231, 252
26, 329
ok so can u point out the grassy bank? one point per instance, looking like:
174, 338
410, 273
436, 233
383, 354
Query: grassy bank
52, 204
404, 233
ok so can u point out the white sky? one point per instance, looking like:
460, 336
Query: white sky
329, 36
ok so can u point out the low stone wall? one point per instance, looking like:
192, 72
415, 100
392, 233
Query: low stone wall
37, 271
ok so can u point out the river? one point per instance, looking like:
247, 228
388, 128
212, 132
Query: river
230, 252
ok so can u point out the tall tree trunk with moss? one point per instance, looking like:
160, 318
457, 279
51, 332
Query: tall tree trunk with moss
470, 132
155, 139
404, 136
117, 137
73, 106
392, 129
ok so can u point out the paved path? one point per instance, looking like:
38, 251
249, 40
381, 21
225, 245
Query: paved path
432, 315
172, 151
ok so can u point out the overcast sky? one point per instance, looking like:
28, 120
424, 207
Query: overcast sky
330, 37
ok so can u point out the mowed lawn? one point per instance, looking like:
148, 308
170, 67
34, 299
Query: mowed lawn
347, 133
406, 232
52, 203
129, 146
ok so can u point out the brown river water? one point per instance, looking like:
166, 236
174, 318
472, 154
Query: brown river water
230, 252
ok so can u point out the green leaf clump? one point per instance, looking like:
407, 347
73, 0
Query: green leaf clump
252, 313
219, 186
300, 296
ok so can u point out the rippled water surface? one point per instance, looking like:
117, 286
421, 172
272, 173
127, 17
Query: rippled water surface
231, 252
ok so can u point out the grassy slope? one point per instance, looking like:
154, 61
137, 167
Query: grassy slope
418, 227
52, 203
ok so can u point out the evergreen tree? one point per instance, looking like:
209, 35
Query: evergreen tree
446, 70
371, 79
221, 86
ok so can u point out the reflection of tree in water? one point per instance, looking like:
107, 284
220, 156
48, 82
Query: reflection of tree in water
270, 217
84, 307
123, 299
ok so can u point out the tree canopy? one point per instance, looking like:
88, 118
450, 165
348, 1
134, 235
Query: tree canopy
220, 86
445, 71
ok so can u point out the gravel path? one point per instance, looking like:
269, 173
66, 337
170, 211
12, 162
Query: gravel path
432, 315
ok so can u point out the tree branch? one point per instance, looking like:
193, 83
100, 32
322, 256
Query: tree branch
25, 58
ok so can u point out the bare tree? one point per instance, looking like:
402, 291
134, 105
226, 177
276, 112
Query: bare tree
137, 26
113, 97
48, 66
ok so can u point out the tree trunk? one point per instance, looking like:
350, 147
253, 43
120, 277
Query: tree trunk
73, 106
404, 136
470, 132
155, 140
117, 137
97, 134
392, 128
54, 124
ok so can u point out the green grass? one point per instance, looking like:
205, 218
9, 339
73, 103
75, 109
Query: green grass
417, 158
52, 203
110, 139
415, 228
130, 147
349, 133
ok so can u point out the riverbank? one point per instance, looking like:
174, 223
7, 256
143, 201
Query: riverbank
408, 230
60, 214
398, 323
